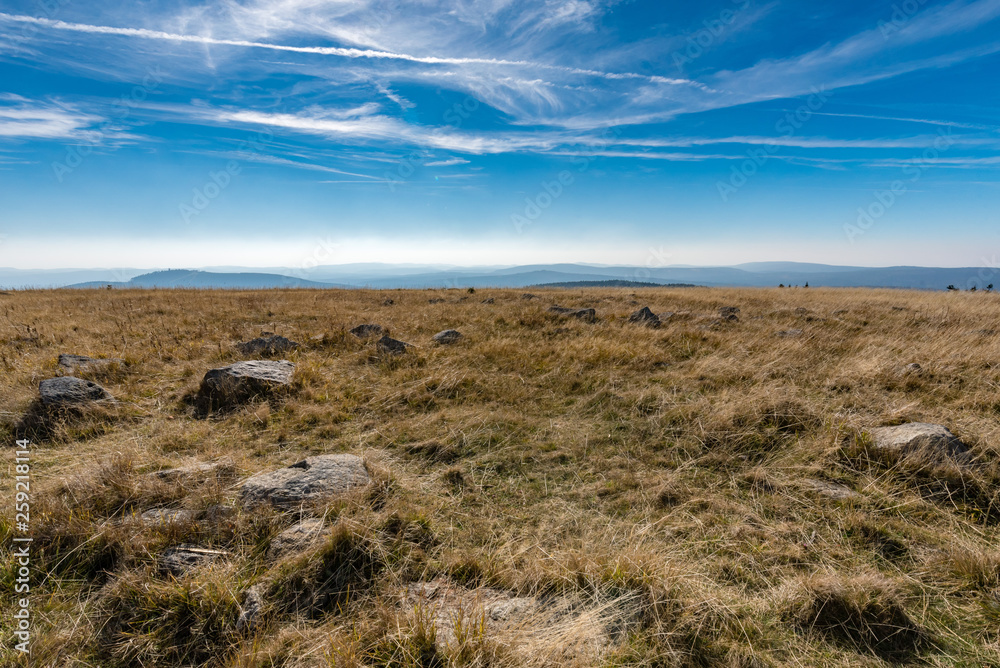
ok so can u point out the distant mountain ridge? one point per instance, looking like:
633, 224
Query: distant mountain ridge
387, 276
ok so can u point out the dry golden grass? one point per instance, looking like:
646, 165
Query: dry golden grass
652, 492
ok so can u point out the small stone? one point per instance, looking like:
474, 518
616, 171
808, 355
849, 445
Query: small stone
924, 438
266, 344
436, 300
912, 369
74, 363
447, 336
528, 295
179, 559
390, 346
244, 381
296, 538
790, 333
312, 478
585, 314
489, 300
367, 330
729, 313
67, 390
388, 302
202, 471
832, 490
645, 317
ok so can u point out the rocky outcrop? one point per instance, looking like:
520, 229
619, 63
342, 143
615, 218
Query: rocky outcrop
244, 381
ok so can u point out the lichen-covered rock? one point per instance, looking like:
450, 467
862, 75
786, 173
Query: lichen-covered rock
389, 346
244, 381
645, 317
447, 336
311, 479
296, 538
180, 559
266, 344
366, 330
74, 363
919, 438
69, 390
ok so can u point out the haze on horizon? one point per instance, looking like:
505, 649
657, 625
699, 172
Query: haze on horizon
255, 133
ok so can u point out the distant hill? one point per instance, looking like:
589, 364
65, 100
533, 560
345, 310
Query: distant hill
186, 278
614, 283
391, 277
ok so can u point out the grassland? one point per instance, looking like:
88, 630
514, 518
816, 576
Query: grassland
648, 497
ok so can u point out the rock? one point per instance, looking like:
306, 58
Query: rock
585, 314
252, 610
312, 478
74, 363
436, 300
729, 313
912, 369
390, 346
645, 317
832, 490
489, 300
366, 330
166, 516
243, 381
266, 344
789, 333
447, 336
202, 471
528, 295
219, 512
933, 440
67, 390
179, 559
388, 302
296, 538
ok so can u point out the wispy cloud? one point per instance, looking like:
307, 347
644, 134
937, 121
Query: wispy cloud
40, 120
446, 163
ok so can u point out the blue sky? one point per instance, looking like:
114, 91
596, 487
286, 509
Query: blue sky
290, 132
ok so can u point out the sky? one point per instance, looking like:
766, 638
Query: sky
300, 132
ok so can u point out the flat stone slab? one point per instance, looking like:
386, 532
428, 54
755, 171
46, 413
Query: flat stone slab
832, 490
645, 317
202, 471
919, 438
390, 346
311, 479
366, 330
448, 336
244, 381
73, 363
297, 538
67, 390
266, 344
182, 558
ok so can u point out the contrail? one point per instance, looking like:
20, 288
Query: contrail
328, 50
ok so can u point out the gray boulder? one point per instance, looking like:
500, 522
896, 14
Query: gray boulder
447, 336
311, 479
69, 390
243, 381
366, 330
390, 346
296, 538
645, 317
266, 344
180, 559
586, 314
921, 438
74, 363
